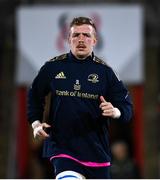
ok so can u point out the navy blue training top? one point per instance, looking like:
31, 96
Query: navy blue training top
78, 128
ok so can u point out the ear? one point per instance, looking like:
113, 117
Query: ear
69, 39
95, 41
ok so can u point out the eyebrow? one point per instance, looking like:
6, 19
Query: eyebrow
85, 34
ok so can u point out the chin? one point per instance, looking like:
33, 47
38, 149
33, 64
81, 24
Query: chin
81, 56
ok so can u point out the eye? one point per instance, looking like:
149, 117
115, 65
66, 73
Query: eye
75, 34
86, 34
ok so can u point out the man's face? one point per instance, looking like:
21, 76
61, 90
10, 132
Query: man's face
82, 40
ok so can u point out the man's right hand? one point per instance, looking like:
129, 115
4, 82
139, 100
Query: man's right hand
38, 129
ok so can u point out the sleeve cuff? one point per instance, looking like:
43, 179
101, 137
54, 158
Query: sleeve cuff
117, 113
35, 124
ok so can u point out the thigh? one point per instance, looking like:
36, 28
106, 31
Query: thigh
64, 164
98, 173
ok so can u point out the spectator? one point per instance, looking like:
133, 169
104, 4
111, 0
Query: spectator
123, 167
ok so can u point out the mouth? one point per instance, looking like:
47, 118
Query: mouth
81, 47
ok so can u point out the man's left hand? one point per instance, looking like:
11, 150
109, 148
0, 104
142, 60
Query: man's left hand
108, 109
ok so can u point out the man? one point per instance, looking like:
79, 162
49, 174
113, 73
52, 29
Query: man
85, 95
123, 166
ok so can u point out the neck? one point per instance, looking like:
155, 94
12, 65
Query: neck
82, 57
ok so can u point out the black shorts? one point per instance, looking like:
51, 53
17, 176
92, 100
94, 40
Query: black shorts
65, 164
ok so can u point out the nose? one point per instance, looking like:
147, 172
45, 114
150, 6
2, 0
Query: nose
81, 37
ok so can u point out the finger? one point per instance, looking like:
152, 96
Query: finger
102, 99
104, 105
108, 112
45, 125
43, 134
104, 108
107, 106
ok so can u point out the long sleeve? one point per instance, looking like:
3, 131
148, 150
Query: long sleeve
120, 98
36, 94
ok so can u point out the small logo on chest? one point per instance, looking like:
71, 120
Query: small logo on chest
77, 85
60, 75
93, 78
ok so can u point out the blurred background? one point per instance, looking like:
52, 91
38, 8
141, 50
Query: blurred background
33, 31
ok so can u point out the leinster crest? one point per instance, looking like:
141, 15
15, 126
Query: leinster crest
77, 85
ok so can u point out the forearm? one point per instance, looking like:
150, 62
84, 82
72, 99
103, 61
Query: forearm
126, 113
34, 106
